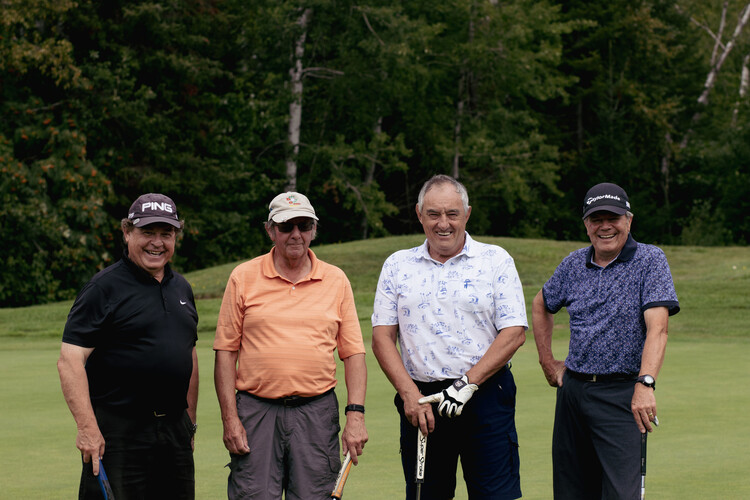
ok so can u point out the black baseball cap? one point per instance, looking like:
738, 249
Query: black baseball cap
606, 197
151, 208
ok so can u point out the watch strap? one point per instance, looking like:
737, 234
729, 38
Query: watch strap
642, 380
359, 408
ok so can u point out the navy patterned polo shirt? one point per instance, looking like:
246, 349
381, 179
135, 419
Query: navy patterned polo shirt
607, 328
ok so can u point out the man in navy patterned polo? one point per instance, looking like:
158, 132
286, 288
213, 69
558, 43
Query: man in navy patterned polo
619, 295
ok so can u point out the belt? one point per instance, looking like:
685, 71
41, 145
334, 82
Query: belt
290, 401
609, 377
439, 385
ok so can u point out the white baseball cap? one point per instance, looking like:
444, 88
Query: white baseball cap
290, 205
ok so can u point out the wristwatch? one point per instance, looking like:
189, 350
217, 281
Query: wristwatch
648, 381
359, 408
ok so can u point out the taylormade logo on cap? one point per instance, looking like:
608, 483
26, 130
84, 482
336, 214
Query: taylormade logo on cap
606, 197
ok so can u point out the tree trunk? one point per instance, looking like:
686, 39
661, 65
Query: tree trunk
744, 84
295, 106
369, 177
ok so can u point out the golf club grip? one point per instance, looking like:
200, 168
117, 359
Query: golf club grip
338, 489
421, 454
644, 437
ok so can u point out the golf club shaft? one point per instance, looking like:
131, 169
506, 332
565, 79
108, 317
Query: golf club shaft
104, 483
644, 437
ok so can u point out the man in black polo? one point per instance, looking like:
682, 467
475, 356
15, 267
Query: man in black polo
128, 366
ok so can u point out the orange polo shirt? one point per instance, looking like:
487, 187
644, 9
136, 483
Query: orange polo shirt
286, 333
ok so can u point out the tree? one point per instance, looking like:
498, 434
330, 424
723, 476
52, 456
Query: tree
638, 72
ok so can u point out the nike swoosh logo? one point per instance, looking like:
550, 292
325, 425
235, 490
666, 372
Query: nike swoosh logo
183, 302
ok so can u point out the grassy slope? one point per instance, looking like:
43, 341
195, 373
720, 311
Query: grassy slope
699, 451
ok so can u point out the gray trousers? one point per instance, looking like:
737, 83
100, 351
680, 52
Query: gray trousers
292, 449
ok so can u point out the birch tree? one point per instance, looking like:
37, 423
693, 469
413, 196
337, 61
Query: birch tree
721, 51
295, 106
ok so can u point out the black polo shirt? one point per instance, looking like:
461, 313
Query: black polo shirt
143, 333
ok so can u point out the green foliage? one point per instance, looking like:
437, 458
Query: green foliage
530, 101
31, 40
53, 225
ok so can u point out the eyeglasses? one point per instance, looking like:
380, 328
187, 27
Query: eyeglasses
288, 227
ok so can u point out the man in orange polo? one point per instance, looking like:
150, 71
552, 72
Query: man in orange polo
282, 317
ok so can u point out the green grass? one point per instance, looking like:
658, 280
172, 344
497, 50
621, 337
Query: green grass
700, 450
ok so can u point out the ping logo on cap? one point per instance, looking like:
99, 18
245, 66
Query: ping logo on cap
154, 205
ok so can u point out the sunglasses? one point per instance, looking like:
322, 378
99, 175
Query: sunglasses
288, 227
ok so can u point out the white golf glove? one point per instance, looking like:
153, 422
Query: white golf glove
451, 401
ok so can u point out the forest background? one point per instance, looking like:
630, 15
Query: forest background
221, 104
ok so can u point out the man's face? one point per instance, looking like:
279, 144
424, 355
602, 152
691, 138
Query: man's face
444, 221
150, 247
608, 233
294, 244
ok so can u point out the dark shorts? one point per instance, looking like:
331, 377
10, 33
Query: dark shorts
145, 457
596, 444
483, 436
291, 449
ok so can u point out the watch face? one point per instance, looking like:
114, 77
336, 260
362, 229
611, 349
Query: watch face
648, 379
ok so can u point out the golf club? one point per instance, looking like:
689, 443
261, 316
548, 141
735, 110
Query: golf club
338, 489
644, 436
421, 454
104, 483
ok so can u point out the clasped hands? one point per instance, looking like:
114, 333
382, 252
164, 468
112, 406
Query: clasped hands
451, 400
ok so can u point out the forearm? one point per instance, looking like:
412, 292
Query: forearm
354, 435
192, 394
501, 350
355, 376
389, 359
75, 388
542, 323
225, 375
655, 346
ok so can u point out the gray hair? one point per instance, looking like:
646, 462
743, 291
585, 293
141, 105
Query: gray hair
439, 180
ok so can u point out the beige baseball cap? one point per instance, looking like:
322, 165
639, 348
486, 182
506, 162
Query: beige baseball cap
290, 205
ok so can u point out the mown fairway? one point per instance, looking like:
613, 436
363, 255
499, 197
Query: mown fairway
699, 452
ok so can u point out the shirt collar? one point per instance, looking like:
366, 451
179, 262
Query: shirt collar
269, 269
141, 273
627, 252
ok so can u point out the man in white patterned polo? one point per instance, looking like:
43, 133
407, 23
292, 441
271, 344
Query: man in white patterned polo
456, 308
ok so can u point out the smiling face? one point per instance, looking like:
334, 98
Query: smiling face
150, 247
608, 233
444, 221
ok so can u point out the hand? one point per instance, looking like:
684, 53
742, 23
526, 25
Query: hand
643, 406
354, 436
553, 372
451, 401
235, 437
91, 443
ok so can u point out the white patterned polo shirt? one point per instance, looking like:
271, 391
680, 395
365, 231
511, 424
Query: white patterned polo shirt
448, 313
